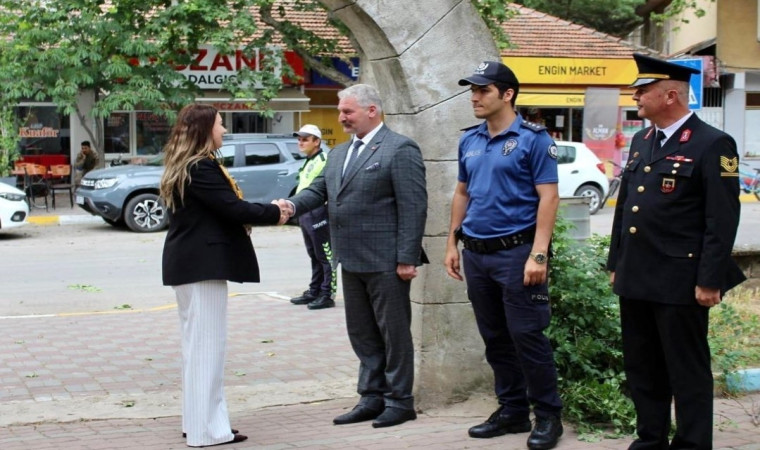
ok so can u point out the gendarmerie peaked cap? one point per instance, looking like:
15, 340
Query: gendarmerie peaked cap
653, 69
489, 72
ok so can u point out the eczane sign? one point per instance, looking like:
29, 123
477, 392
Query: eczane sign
210, 69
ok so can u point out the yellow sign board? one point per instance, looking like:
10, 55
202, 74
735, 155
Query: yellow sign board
327, 121
569, 99
587, 71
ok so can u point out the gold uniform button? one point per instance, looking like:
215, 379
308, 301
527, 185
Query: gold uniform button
647, 169
674, 172
676, 165
635, 209
640, 189
632, 230
691, 255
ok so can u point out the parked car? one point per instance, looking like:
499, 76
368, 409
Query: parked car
265, 167
13, 207
581, 174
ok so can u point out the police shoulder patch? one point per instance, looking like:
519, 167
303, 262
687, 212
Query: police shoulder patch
532, 126
553, 151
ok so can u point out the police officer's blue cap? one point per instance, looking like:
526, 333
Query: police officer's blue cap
489, 72
652, 70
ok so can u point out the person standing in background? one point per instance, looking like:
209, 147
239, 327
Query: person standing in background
670, 256
207, 244
314, 225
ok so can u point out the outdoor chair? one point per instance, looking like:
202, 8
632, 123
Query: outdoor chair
37, 185
60, 180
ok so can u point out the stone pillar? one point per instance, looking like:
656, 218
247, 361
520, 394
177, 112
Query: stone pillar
415, 52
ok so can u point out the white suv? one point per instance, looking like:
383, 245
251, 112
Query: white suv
581, 174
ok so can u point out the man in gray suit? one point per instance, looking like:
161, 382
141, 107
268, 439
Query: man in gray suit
374, 186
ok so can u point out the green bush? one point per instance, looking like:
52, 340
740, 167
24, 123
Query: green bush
585, 334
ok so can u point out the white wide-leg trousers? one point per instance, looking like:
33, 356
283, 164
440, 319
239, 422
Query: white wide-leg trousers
202, 310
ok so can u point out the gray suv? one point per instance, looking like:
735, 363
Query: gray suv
264, 166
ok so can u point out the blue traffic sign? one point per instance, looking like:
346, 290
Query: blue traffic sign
695, 83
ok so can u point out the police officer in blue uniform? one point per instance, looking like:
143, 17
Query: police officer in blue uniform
314, 225
670, 256
503, 211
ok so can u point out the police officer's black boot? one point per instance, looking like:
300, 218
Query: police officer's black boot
304, 299
500, 424
546, 433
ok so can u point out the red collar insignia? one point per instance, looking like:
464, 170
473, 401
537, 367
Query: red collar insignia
685, 135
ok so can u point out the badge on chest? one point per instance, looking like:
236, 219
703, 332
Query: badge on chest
668, 185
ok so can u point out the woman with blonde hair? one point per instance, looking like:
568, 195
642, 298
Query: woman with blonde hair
207, 244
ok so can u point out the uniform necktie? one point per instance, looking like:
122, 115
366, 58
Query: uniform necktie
660, 138
352, 157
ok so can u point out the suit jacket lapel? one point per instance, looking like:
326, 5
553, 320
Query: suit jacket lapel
361, 160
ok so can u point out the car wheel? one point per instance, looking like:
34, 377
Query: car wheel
145, 213
594, 194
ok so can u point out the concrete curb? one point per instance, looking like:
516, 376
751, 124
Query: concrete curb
63, 219
746, 380
71, 219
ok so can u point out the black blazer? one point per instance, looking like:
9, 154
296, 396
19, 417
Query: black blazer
206, 238
676, 216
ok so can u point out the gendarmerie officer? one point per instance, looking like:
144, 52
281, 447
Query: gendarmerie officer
670, 256
503, 210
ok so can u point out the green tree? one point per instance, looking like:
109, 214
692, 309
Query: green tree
124, 53
615, 17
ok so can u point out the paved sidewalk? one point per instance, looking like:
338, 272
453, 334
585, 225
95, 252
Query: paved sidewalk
111, 381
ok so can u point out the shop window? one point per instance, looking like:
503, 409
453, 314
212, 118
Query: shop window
151, 133
116, 133
250, 122
42, 131
262, 154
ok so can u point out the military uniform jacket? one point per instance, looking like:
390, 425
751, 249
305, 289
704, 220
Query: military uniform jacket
676, 216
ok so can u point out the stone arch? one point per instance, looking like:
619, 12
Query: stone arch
414, 52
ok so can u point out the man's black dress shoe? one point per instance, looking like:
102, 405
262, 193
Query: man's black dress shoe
358, 414
234, 431
500, 424
393, 416
546, 433
322, 302
304, 299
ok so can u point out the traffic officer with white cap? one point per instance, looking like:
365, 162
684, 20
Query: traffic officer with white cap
314, 225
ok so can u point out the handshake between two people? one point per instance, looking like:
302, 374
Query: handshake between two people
287, 210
